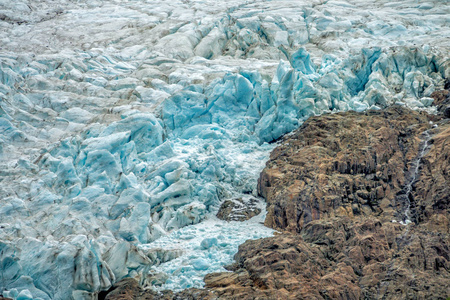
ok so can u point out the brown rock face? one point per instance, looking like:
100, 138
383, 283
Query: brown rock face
238, 209
338, 189
431, 195
266, 270
442, 100
345, 164
129, 289
340, 259
334, 188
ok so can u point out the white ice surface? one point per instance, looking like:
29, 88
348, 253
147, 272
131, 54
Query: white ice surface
201, 249
123, 123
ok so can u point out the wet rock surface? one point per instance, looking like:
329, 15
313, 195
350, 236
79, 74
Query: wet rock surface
334, 190
348, 164
238, 209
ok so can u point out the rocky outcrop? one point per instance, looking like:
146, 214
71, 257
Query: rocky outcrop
362, 203
336, 188
346, 164
238, 209
442, 100
340, 259
129, 289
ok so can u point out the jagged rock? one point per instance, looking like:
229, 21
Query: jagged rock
129, 289
446, 111
344, 164
126, 289
340, 259
333, 187
238, 209
442, 99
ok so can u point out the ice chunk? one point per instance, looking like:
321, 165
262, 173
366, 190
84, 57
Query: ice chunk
98, 162
188, 214
181, 190
208, 243
66, 173
200, 264
13, 293
301, 61
360, 76
178, 45
144, 128
211, 45
184, 108
127, 199
122, 257
10, 132
24, 295
139, 222
159, 153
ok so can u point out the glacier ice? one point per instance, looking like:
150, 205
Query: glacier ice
124, 125
200, 249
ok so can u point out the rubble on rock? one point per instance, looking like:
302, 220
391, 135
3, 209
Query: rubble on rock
239, 209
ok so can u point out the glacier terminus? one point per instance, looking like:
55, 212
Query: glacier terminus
124, 124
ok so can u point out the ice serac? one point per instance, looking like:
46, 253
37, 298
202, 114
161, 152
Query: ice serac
123, 123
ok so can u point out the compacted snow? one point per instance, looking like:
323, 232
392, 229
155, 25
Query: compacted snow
125, 124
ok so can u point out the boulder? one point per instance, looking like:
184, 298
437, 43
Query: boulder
129, 289
238, 209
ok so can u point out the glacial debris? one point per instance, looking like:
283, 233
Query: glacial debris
239, 209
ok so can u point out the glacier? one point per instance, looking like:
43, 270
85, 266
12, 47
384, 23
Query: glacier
125, 124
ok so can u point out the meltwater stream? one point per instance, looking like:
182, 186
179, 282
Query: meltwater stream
405, 196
